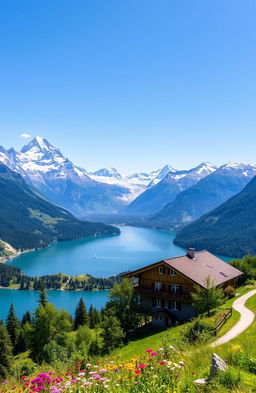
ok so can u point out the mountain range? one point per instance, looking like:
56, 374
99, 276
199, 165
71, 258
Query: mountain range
166, 197
230, 229
205, 195
30, 221
165, 191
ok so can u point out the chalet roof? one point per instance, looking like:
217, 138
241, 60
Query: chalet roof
203, 265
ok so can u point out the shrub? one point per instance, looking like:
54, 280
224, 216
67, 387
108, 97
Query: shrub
199, 331
229, 291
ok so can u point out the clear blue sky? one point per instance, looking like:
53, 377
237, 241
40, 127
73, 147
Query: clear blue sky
132, 84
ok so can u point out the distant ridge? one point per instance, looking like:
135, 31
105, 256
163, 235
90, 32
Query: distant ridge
229, 230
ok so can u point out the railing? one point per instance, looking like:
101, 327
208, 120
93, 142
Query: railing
161, 293
223, 320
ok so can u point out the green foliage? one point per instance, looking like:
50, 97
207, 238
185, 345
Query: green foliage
13, 328
10, 275
94, 316
112, 333
123, 302
42, 297
230, 379
33, 222
49, 325
5, 351
248, 266
198, 331
205, 299
81, 315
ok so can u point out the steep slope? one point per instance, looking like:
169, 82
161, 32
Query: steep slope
155, 198
29, 221
57, 178
229, 229
205, 195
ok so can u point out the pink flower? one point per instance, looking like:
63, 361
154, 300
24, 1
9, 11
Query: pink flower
96, 376
149, 350
153, 354
142, 365
162, 363
137, 371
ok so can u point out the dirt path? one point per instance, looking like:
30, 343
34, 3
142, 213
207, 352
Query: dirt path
246, 319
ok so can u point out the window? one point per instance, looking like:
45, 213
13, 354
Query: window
175, 306
172, 272
175, 288
161, 270
157, 286
158, 302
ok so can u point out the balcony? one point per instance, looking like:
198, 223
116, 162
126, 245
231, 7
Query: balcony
185, 296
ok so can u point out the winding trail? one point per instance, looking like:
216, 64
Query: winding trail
246, 319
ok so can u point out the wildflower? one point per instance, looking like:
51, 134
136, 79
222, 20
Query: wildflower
162, 363
141, 365
153, 354
149, 350
138, 371
96, 376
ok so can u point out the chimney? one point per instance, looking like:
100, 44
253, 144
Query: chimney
191, 253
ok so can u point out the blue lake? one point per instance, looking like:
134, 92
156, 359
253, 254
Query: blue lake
100, 257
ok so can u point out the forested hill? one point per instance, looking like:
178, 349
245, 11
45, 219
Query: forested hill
29, 221
229, 230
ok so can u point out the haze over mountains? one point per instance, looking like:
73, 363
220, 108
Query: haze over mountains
165, 197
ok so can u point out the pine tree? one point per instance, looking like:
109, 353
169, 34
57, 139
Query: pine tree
26, 318
13, 327
81, 316
5, 351
205, 299
94, 317
43, 296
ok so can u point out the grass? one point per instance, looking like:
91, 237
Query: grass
153, 337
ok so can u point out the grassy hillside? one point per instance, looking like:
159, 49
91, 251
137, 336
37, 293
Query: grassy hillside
159, 362
29, 221
228, 230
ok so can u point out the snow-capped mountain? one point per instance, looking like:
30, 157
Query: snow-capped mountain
205, 195
135, 183
106, 172
165, 191
57, 178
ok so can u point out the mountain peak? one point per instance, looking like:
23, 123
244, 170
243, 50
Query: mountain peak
38, 143
107, 172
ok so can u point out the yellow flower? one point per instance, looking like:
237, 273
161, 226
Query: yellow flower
236, 347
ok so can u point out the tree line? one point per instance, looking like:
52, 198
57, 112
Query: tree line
13, 276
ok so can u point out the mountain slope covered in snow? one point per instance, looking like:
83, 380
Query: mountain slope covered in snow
205, 195
165, 191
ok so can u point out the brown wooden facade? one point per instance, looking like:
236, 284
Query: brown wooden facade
165, 293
